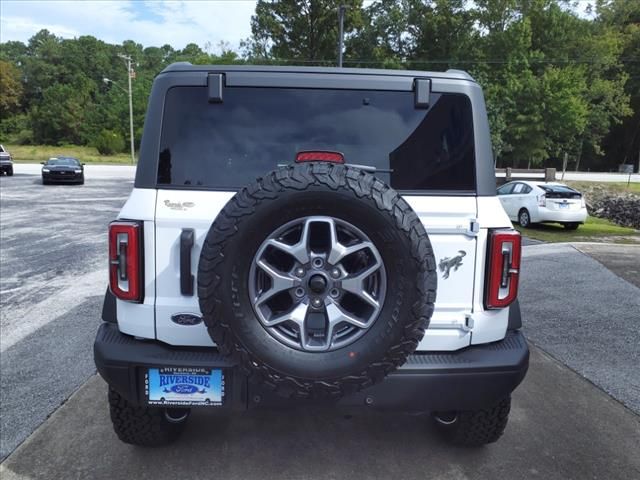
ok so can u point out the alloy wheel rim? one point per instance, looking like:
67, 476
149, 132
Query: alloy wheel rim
317, 283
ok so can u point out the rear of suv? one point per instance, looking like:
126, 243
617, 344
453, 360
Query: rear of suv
302, 235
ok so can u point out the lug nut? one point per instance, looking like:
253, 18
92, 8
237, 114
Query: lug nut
299, 272
335, 273
317, 262
316, 302
299, 292
335, 293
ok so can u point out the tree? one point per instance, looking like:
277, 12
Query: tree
299, 30
622, 142
11, 89
60, 116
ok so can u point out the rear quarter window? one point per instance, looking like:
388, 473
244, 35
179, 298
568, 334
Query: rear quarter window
254, 130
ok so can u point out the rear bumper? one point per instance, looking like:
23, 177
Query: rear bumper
561, 216
475, 377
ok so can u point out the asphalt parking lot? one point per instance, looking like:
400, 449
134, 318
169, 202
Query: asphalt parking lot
573, 417
52, 279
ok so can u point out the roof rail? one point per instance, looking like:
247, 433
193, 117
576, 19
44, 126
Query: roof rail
460, 72
176, 65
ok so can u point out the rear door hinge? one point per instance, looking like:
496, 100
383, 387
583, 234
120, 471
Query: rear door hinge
474, 228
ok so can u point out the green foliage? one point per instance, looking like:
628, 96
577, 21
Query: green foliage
11, 89
299, 30
555, 82
594, 230
109, 142
61, 97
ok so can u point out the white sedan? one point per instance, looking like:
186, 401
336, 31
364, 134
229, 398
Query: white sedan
539, 202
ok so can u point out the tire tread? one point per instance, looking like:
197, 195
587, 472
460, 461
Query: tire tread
300, 177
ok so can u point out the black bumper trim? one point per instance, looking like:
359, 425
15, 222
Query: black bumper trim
475, 377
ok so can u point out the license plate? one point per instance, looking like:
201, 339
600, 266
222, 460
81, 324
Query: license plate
184, 386
564, 205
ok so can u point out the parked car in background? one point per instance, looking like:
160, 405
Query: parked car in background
6, 162
62, 170
528, 202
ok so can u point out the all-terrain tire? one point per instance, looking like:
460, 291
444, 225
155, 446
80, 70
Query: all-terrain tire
474, 428
287, 194
144, 426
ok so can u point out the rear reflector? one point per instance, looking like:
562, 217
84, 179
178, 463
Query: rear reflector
125, 260
503, 268
319, 156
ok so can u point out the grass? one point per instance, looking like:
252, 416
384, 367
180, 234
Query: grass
594, 230
613, 187
40, 153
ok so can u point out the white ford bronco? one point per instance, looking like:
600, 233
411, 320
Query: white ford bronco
312, 235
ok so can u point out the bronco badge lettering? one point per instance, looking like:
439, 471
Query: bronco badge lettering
180, 206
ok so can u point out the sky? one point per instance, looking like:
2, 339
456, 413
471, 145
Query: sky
149, 22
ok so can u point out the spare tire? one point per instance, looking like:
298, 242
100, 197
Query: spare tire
318, 279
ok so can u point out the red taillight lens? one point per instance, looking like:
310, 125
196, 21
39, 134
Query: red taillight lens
319, 156
125, 260
503, 268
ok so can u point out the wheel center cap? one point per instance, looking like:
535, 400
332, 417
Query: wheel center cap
317, 284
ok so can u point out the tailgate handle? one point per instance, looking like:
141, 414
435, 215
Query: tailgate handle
186, 277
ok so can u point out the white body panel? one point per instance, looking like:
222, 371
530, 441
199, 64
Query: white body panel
171, 217
454, 224
134, 318
448, 221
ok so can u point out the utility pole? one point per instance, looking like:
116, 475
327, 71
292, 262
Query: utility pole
564, 165
631, 171
127, 58
341, 10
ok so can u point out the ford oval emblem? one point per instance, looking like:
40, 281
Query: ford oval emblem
183, 388
186, 319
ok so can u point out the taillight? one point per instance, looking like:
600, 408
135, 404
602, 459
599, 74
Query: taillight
125, 260
503, 268
542, 200
319, 156
583, 202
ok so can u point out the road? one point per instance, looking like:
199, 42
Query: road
52, 279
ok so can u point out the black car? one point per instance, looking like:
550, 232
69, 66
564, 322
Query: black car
6, 162
63, 170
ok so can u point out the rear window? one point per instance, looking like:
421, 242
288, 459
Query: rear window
229, 144
559, 191
67, 162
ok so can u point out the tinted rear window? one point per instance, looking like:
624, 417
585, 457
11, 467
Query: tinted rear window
229, 144
559, 191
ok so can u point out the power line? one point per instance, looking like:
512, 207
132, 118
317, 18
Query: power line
454, 61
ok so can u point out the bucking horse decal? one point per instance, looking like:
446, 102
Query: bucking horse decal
446, 264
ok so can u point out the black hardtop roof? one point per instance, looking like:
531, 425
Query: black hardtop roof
189, 67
